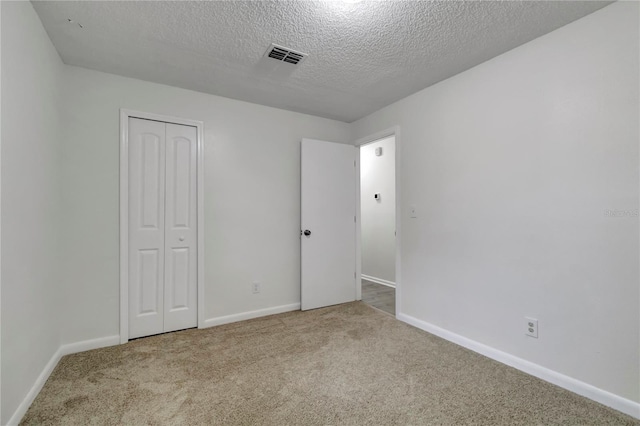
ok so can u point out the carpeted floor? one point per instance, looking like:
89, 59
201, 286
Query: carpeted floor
343, 365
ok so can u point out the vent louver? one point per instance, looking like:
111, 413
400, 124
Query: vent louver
285, 54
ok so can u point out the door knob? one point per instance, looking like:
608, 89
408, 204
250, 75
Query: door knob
307, 232
181, 238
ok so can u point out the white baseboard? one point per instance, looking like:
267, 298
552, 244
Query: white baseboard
581, 388
87, 345
63, 350
250, 315
378, 280
35, 389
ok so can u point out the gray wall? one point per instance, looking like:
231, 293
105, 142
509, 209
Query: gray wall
378, 217
30, 176
512, 166
252, 196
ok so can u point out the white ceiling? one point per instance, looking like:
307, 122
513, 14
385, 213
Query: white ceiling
362, 55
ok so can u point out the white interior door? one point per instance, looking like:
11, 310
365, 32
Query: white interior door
328, 209
146, 227
180, 288
162, 227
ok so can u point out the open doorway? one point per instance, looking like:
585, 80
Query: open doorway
378, 223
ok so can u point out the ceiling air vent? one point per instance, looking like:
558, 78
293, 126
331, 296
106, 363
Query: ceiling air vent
285, 54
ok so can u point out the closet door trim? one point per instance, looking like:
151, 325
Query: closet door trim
125, 114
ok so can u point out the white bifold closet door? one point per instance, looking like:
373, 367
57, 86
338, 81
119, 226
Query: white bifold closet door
162, 227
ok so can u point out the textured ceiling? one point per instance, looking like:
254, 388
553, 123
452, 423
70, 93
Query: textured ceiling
362, 55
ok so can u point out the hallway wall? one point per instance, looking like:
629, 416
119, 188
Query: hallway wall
378, 217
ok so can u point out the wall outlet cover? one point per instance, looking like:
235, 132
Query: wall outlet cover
532, 327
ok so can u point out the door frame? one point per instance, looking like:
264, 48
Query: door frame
125, 114
392, 131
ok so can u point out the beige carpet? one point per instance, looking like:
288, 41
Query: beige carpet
343, 365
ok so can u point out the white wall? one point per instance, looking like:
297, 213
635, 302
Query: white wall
378, 217
252, 201
31, 77
0, 216
511, 166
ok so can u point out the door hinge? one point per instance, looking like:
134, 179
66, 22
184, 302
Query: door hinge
354, 218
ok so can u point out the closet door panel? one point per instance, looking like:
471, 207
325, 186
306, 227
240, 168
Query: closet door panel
146, 227
180, 290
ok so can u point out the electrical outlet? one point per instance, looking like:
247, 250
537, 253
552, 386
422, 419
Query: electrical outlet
532, 327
